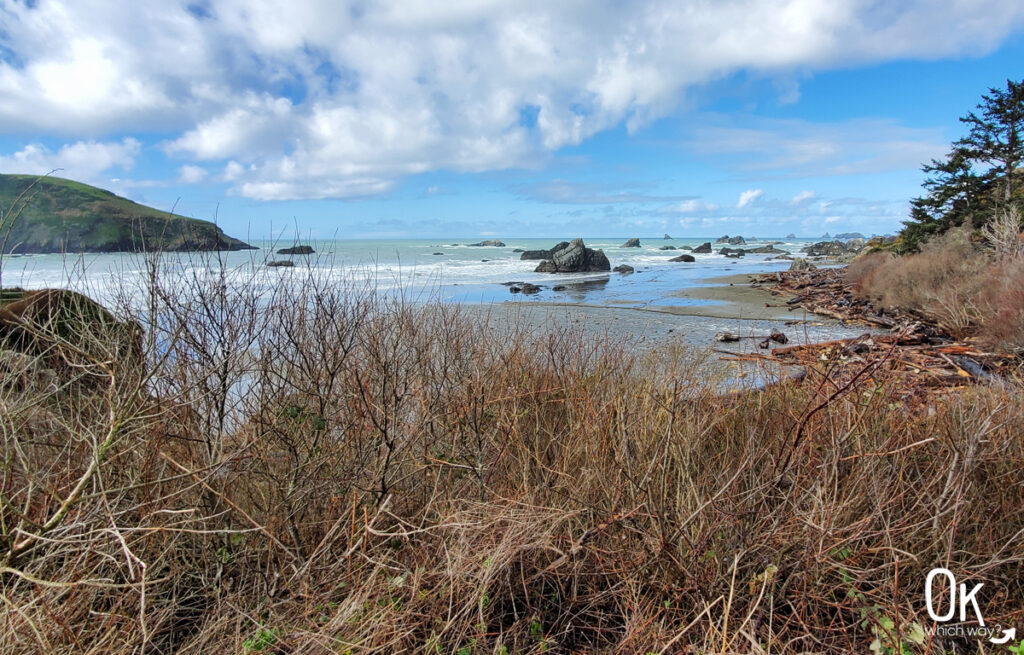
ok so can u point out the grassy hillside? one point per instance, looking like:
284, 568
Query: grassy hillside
58, 215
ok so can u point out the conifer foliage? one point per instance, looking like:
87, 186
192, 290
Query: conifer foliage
980, 177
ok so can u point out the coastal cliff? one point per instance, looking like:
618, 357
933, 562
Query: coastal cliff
53, 215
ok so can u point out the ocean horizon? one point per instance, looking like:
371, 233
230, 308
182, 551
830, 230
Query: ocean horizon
450, 269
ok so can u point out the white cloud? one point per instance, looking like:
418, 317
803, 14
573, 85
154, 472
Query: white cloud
748, 197
83, 160
189, 174
803, 197
326, 98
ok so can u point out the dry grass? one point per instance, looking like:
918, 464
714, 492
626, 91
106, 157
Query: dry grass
308, 468
943, 283
966, 290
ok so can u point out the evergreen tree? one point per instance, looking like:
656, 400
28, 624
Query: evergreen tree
980, 175
995, 136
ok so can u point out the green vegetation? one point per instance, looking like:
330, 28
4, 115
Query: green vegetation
310, 468
52, 215
979, 178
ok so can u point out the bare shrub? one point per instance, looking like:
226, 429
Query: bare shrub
1002, 234
1003, 326
309, 466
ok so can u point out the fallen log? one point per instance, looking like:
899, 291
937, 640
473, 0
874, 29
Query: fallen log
824, 344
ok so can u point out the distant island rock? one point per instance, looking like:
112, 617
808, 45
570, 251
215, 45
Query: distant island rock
790, 236
493, 243
58, 215
632, 243
666, 237
849, 235
296, 250
575, 257
732, 241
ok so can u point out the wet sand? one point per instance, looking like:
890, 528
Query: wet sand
725, 304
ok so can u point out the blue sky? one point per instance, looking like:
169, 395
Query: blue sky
427, 118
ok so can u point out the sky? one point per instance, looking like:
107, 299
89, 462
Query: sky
502, 118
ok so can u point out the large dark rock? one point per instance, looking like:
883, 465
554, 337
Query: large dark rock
826, 249
737, 241
575, 257
68, 331
802, 265
494, 243
684, 258
703, 249
524, 288
632, 243
732, 252
722, 239
768, 250
624, 269
542, 254
281, 263
667, 248
296, 250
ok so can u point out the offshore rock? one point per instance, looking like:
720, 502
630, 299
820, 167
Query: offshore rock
575, 257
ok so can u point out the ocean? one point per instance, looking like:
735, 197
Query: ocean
461, 273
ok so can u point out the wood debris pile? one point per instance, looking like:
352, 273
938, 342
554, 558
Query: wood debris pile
823, 291
915, 353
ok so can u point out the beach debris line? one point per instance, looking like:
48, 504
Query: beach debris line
915, 351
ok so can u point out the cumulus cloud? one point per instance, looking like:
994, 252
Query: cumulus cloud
82, 160
330, 99
748, 197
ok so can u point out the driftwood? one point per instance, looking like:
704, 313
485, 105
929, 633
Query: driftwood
915, 350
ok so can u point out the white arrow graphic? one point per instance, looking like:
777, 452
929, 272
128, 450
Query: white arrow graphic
1008, 634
